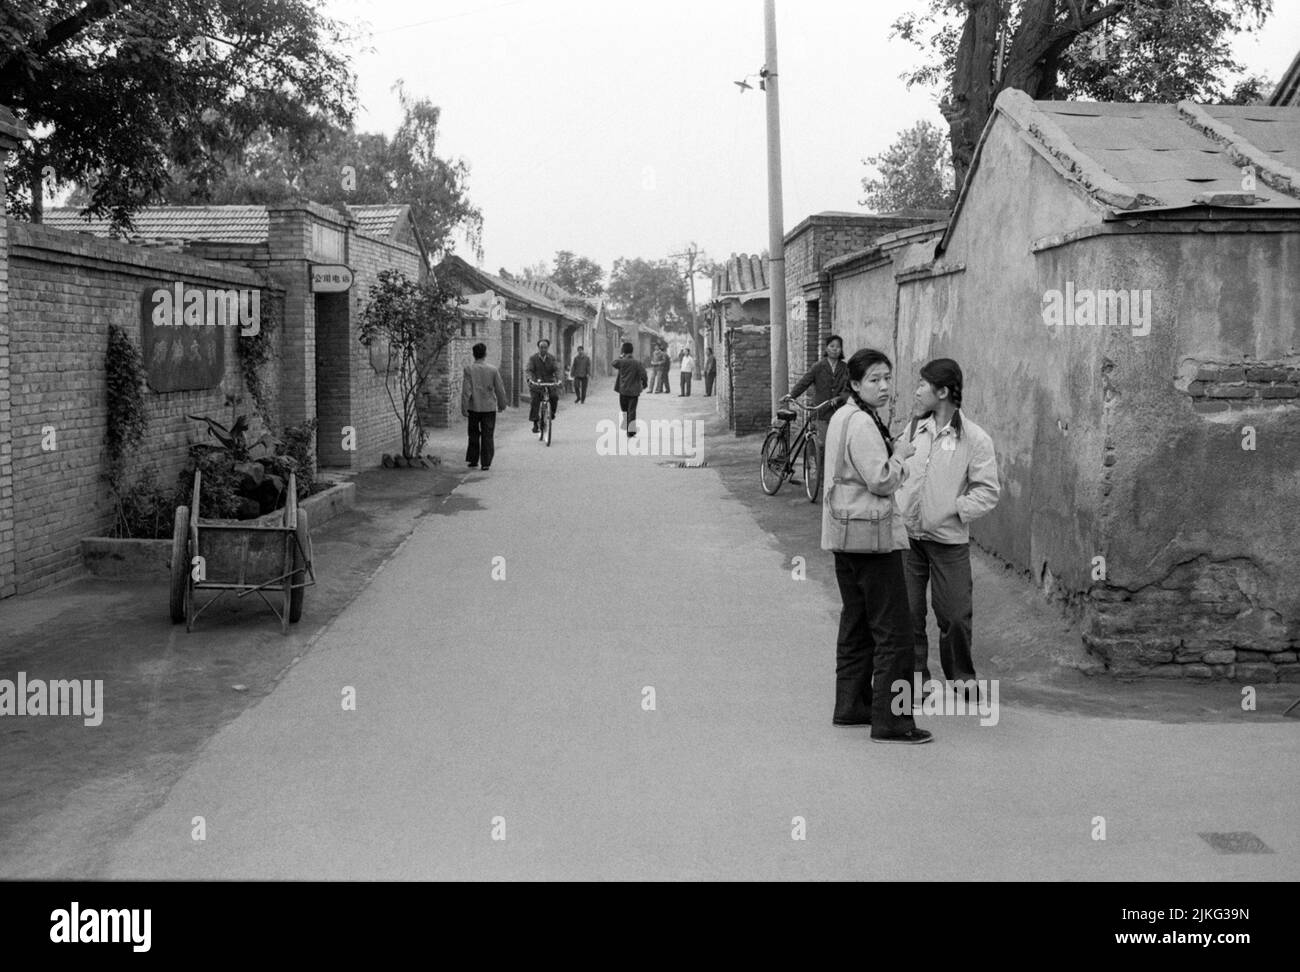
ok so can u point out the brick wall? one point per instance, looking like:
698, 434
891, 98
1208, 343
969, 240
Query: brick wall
745, 378
65, 289
6, 425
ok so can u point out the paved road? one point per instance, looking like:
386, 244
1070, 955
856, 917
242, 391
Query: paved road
522, 699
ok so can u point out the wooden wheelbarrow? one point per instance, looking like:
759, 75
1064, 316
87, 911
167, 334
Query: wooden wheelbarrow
242, 557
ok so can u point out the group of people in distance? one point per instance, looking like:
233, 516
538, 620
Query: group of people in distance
659, 363
933, 479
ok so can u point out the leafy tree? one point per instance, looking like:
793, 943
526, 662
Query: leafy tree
536, 271
1136, 50
413, 322
115, 91
578, 275
347, 167
650, 292
912, 172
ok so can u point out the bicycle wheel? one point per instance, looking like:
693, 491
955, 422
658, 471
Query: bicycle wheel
812, 470
775, 465
546, 429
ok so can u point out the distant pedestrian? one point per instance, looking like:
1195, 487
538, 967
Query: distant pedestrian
688, 369
482, 396
580, 371
629, 384
710, 371
861, 524
665, 363
952, 480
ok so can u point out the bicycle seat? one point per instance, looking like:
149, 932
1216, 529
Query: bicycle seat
787, 414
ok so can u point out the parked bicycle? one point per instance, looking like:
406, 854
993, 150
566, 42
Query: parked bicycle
781, 453
545, 420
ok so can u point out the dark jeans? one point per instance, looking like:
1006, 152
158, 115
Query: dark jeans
686, 384
580, 388
533, 413
482, 447
628, 404
708, 383
873, 649
945, 567
661, 380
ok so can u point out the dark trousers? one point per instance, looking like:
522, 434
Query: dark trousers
709, 379
580, 388
628, 404
533, 412
945, 568
686, 383
873, 649
482, 445
661, 380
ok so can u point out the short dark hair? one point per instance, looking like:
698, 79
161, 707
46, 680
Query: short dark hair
945, 373
579, 347
834, 337
627, 347
542, 341
864, 360
480, 351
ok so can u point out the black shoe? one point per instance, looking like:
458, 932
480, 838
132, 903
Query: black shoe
912, 737
536, 428
486, 468
472, 465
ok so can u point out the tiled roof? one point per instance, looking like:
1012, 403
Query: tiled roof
218, 224
516, 289
1287, 91
743, 274
378, 221
1133, 157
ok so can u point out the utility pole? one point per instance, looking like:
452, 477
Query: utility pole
690, 256
775, 213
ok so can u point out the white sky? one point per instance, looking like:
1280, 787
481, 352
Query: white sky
613, 129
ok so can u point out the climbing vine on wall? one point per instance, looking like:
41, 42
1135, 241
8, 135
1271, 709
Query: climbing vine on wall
127, 421
256, 351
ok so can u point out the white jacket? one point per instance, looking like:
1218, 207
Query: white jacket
871, 476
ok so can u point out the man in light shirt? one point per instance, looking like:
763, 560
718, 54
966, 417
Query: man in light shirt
688, 369
952, 480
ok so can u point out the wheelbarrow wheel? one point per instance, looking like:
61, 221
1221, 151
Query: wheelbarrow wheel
180, 563
303, 546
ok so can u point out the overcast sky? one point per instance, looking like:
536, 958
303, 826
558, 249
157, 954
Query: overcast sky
613, 129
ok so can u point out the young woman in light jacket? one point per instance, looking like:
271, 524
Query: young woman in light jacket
874, 646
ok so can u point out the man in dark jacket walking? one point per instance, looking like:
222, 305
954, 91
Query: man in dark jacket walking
580, 371
482, 395
629, 384
710, 371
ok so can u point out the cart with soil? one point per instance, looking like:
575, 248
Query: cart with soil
242, 557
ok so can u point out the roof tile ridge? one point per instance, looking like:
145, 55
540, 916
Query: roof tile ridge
1071, 160
1240, 150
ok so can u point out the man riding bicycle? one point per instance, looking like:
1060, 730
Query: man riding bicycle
543, 367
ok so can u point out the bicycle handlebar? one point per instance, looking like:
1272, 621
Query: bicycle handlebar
545, 384
806, 408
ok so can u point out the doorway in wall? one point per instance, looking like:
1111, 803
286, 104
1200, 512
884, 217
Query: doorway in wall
333, 379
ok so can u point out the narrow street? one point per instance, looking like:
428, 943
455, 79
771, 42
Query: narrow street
520, 707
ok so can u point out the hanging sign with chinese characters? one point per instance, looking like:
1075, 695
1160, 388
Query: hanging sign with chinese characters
329, 278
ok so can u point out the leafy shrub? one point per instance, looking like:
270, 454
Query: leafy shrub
146, 509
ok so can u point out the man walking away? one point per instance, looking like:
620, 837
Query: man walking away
482, 395
544, 367
952, 479
688, 370
580, 371
629, 384
711, 372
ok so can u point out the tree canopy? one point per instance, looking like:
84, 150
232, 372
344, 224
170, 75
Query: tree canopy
113, 92
913, 172
349, 167
578, 275
651, 292
1134, 50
